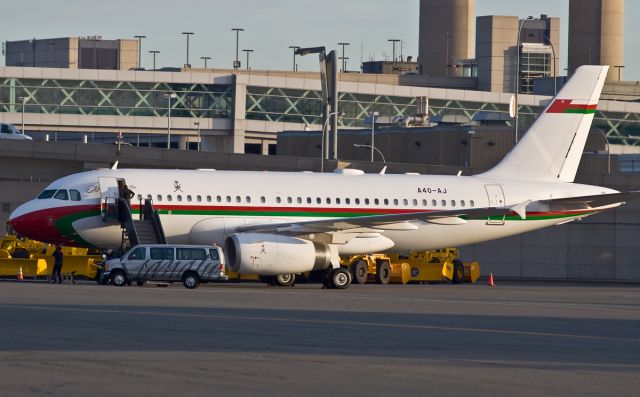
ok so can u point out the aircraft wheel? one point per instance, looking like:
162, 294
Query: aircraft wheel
383, 272
340, 278
190, 280
458, 271
359, 272
286, 280
119, 278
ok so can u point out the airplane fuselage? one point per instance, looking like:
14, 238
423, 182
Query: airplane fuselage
205, 206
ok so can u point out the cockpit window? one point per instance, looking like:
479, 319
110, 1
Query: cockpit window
47, 194
75, 195
62, 195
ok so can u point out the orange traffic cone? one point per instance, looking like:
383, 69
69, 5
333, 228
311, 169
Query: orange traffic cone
491, 283
20, 275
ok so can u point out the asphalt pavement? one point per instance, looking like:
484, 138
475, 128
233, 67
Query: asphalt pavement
517, 338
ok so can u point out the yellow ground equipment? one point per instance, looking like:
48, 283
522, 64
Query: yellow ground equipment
36, 259
427, 266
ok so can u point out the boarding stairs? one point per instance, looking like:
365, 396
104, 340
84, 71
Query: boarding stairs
142, 228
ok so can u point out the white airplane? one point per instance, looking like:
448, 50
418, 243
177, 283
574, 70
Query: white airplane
275, 223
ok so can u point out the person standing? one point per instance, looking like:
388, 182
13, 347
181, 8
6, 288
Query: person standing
58, 257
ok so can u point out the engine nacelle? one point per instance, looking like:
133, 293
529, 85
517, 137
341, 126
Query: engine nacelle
271, 254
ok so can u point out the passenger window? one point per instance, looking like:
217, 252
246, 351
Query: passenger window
189, 198
228, 199
395, 201
62, 195
366, 201
138, 254
262, 199
139, 196
462, 203
289, 200
318, 200
386, 201
161, 253
169, 198
191, 254
238, 199
357, 201
218, 199
209, 199
453, 203
149, 197
213, 254
347, 201
376, 201
199, 198
299, 200
248, 199
159, 197
75, 195
278, 200
328, 200
415, 202
308, 200
444, 203
472, 203
434, 203
47, 194
179, 197
338, 200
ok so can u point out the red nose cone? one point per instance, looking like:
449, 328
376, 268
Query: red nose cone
37, 226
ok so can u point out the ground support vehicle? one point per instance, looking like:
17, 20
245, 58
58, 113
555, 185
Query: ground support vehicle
427, 266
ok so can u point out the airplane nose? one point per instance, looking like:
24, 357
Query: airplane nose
17, 219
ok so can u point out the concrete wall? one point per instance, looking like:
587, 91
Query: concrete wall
446, 29
596, 34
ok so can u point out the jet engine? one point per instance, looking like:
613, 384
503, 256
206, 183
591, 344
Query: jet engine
271, 254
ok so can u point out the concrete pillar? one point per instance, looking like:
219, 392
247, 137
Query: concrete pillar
235, 143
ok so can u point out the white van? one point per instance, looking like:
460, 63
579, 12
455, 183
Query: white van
191, 264
9, 131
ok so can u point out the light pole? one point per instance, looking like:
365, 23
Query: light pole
394, 42
197, 124
169, 97
518, 43
236, 63
248, 52
154, 52
372, 149
553, 52
187, 65
344, 64
205, 61
373, 116
322, 146
23, 100
294, 48
447, 37
619, 67
140, 37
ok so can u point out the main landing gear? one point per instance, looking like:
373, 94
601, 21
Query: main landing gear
338, 278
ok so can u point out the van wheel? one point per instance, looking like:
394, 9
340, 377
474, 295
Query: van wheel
458, 271
190, 280
286, 280
119, 278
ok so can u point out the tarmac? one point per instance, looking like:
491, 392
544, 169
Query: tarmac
517, 338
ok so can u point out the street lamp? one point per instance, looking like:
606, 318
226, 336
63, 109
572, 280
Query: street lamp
23, 100
294, 48
518, 44
248, 52
373, 116
154, 52
372, 149
236, 63
553, 52
205, 61
187, 65
140, 37
170, 96
197, 124
394, 42
344, 63
324, 128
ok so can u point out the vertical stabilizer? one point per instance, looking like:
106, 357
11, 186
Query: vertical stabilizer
552, 147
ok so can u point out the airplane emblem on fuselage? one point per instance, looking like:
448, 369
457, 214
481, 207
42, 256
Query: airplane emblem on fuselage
177, 187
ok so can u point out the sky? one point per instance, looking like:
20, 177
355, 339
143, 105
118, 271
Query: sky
271, 26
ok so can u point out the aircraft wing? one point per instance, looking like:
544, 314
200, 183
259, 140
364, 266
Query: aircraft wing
590, 202
378, 223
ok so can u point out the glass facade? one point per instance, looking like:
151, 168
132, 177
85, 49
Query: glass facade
533, 65
115, 98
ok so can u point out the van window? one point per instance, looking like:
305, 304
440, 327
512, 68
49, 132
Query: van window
62, 195
47, 194
161, 253
213, 253
138, 254
75, 195
197, 254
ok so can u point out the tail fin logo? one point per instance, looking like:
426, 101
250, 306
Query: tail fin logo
567, 106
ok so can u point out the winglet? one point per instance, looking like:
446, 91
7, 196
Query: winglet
384, 170
521, 209
115, 165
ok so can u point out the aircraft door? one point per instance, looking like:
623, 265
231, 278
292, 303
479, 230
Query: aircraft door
495, 194
109, 194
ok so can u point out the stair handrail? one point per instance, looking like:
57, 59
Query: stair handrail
126, 220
